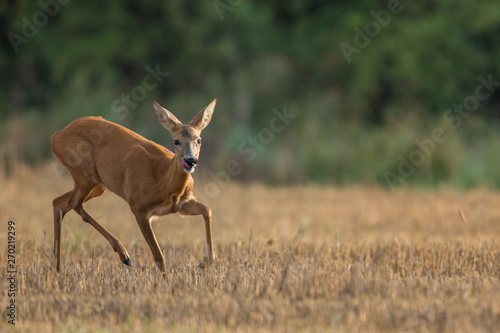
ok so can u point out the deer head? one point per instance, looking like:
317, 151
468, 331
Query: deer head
187, 140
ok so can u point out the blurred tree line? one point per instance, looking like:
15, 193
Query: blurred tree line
365, 80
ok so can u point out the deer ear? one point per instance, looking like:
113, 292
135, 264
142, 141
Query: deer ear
202, 118
166, 118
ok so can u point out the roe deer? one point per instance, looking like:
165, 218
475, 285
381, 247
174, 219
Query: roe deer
154, 181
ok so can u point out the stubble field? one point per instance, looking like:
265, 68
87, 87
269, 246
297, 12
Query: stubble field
288, 259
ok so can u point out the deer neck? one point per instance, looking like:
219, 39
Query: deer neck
177, 180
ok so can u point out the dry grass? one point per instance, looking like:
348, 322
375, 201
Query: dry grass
289, 259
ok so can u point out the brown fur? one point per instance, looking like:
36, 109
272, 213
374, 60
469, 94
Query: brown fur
100, 154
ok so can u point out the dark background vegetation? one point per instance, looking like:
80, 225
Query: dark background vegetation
355, 121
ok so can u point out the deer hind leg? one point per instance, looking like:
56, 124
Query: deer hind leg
193, 207
81, 194
61, 207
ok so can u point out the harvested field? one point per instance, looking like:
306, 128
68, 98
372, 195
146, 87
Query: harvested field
289, 259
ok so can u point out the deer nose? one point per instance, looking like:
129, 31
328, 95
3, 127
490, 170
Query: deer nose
191, 161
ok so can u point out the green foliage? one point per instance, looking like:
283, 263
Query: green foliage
354, 116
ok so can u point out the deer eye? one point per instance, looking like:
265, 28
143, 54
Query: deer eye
176, 142
198, 141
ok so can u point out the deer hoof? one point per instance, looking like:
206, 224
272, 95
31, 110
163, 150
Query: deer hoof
205, 263
127, 261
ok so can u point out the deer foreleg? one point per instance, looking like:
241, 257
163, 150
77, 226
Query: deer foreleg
193, 207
